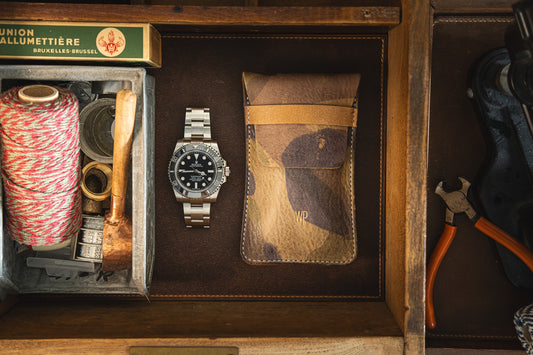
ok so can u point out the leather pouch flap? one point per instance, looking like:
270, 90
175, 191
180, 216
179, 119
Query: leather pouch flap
290, 89
301, 146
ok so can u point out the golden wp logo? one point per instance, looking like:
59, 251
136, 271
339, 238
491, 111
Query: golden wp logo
301, 216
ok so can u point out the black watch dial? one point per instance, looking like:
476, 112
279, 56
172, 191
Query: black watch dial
195, 171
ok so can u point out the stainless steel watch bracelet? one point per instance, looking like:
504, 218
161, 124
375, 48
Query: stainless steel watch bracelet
197, 124
197, 128
197, 214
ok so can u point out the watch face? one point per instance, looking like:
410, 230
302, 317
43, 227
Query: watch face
196, 170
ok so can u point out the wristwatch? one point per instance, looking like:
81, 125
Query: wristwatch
196, 169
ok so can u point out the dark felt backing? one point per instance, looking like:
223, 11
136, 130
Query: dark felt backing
473, 299
205, 71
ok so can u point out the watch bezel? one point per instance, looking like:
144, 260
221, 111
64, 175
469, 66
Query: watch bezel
219, 170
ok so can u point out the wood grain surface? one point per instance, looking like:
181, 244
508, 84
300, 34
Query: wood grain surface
407, 130
262, 346
472, 6
200, 15
169, 319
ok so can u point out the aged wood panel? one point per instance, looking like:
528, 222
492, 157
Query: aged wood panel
199, 15
472, 6
420, 18
264, 346
407, 124
138, 319
270, 2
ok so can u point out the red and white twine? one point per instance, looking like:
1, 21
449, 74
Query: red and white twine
40, 155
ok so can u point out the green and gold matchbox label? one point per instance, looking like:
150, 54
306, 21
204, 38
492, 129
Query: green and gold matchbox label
138, 43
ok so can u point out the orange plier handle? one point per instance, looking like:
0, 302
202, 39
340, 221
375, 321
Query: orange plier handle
446, 239
436, 258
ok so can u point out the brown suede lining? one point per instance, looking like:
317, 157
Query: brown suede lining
205, 71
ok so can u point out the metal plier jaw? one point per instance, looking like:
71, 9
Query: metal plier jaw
456, 201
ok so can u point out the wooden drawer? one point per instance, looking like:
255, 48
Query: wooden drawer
391, 320
474, 300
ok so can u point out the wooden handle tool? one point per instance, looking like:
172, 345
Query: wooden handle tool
117, 234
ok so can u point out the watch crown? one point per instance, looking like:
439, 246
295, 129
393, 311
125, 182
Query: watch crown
226, 171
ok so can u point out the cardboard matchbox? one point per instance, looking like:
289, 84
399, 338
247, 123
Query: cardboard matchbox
135, 44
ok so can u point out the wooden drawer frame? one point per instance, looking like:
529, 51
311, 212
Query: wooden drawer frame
393, 326
462, 11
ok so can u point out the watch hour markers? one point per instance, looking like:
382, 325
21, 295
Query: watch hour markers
196, 171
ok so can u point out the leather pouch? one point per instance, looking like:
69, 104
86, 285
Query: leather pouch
299, 199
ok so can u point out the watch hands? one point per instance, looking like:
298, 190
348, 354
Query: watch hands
202, 173
196, 171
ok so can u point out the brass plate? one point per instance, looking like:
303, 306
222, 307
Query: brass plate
170, 350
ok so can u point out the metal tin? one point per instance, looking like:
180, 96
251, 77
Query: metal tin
96, 130
15, 276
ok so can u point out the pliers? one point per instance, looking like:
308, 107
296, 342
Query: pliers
457, 202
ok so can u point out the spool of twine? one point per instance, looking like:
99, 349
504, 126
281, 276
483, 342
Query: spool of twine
40, 154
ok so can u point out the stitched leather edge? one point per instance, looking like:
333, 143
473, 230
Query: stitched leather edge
473, 19
353, 237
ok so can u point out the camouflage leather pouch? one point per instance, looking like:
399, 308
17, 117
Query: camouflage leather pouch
299, 199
